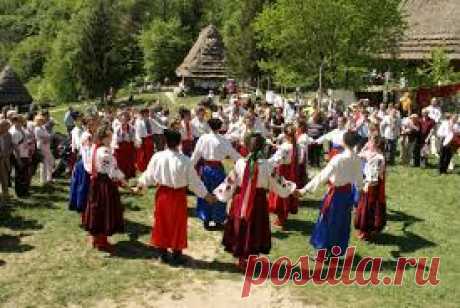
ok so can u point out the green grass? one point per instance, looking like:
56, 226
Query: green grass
47, 261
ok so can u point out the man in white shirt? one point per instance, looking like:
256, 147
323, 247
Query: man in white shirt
447, 131
22, 157
172, 172
143, 127
409, 131
199, 124
435, 113
342, 172
390, 128
210, 151
289, 112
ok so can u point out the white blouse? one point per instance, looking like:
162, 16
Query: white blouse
342, 169
200, 127
107, 164
267, 179
19, 139
213, 146
123, 135
86, 148
374, 167
283, 154
172, 169
43, 137
141, 129
76, 134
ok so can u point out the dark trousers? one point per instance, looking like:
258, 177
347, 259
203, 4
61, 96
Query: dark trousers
416, 158
314, 154
444, 160
22, 176
390, 150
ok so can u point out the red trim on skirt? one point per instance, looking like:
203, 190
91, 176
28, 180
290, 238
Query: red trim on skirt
170, 218
212, 163
330, 194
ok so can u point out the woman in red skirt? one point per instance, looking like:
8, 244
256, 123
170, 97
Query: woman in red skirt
247, 229
370, 216
144, 139
123, 144
103, 216
187, 131
287, 159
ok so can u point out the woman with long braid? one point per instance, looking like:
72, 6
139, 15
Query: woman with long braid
103, 215
247, 229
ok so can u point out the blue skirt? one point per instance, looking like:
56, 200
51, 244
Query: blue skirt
333, 228
212, 176
79, 187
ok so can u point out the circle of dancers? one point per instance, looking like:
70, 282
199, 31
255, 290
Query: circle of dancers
272, 149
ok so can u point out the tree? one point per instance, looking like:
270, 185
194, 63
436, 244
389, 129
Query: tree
242, 51
164, 45
303, 35
437, 70
99, 65
29, 56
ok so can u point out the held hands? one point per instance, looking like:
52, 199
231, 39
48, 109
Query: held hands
210, 199
296, 194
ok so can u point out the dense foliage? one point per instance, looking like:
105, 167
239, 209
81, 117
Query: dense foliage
66, 49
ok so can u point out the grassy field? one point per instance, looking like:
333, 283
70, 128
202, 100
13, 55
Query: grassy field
46, 260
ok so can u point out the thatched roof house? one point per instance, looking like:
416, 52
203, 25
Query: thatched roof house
204, 65
12, 91
431, 24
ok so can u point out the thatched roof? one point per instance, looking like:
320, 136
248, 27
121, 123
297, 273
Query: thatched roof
431, 24
206, 59
12, 91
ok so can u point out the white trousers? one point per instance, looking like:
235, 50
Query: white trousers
47, 165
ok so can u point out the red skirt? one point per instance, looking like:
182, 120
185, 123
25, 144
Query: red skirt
371, 212
144, 153
242, 150
187, 147
126, 159
170, 218
283, 206
104, 212
252, 237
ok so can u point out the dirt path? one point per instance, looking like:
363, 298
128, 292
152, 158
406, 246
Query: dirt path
213, 290
202, 294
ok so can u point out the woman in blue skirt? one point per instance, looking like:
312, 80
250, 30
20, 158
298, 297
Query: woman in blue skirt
79, 184
341, 173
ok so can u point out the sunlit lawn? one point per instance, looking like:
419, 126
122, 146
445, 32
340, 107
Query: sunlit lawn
46, 260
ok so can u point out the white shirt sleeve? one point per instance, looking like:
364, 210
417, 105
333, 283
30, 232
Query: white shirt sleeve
194, 182
148, 177
281, 186
321, 178
198, 152
225, 191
